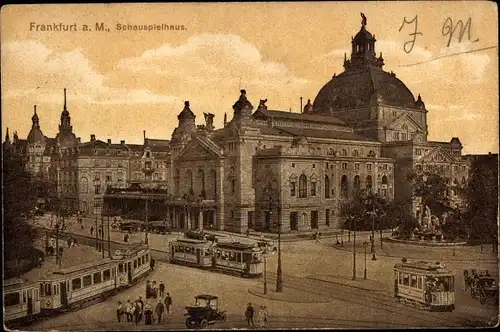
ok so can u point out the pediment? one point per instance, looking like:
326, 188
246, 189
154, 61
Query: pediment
438, 155
200, 149
407, 121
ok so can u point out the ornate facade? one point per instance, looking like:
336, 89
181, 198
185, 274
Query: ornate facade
365, 129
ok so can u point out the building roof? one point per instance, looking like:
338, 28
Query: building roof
353, 89
186, 113
297, 116
330, 134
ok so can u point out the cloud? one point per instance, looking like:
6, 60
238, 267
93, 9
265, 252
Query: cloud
214, 61
454, 113
42, 72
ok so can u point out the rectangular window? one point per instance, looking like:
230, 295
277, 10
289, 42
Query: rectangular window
135, 263
87, 281
41, 290
313, 188
356, 167
76, 284
395, 136
293, 165
120, 268
24, 297
97, 277
413, 281
327, 217
106, 275
404, 136
147, 258
406, 279
344, 165
314, 165
292, 189
369, 167
97, 189
384, 192
419, 282
48, 290
11, 299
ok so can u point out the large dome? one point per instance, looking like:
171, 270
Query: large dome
36, 136
353, 89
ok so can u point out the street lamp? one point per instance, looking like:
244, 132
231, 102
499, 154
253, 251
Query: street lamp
270, 193
264, 254
365, 245
353, 222
371, 201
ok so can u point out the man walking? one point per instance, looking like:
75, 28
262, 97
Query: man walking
160, 308
249, 314
162, 289
168, 303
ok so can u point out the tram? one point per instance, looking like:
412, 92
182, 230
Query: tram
21, 301
425, 285
74, 287
191, 252
235, 258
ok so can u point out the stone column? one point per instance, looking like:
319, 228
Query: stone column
200, 220
214, 220
188, 219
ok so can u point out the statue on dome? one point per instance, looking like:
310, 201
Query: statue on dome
262, 104
209, 121
363, 19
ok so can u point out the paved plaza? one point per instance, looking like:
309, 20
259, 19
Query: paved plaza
318, 290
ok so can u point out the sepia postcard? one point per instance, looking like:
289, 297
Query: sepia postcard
253, 165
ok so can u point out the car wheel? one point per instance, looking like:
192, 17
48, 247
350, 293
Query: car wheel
190, 323
204, 324
223, 317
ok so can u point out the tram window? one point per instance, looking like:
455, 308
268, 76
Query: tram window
106, 275
113, 272
400, 277
406, 279
143, 259
238, 257
232, 256
11, 299
120, 268
41, 290
35, 295
55, 289
125, 268
30, 294
24, 297
452, 284
135, 263
87, 281
97, 278
147, 258
76, 284
419, 282
413, 281
48, 290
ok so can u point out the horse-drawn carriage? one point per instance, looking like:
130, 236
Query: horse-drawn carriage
479, 284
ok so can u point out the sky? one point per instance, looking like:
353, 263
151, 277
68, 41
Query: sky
121, 82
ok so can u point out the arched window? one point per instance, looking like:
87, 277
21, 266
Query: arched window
355, 153
357, 184
201, 179
177, 180
343, 152
384, 179
302, 186
344, 186
213, 174
327, 187
369, 183
190, 179
372, 154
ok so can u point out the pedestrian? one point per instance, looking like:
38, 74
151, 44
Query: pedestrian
262, 317
248, 232
91, 230
155, 289
75, 243
168, 303
129, 309
318, 238
148, 289
249, 314
141, 305
119, 311
160, 308
152, 264
137, 312
148, 314
162, 289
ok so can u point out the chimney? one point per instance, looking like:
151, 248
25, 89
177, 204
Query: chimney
109, 141
144, 134
122, 142
92, 137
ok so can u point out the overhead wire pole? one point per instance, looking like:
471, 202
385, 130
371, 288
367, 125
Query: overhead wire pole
102, 235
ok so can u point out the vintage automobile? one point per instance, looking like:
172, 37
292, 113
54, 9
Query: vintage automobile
131, 226
200, 235
487, 288
159, 227
205, 312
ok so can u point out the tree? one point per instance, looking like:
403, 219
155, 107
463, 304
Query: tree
482, 197
366, 208
20, 198
432, 189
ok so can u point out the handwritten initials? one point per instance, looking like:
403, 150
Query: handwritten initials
449, 29
411, 43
